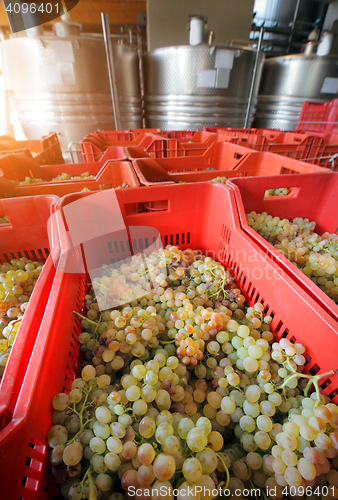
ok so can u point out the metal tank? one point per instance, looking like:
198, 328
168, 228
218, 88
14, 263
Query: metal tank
287, 82
61, 84
190, 87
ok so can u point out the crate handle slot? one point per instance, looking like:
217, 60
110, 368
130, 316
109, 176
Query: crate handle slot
292, 192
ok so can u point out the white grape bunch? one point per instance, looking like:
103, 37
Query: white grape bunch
188, 387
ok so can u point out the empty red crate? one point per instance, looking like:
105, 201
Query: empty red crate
245, 130
290, 144
45, 151
112, 174
319, 117
201, 216
324, 152
93, 146
312, 196
221, 159
25, 236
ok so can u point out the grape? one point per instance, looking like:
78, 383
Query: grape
160, 486
247, 423
117, 430
262, 439
184, 427
207, 485
112, 461
208, 461
57, 435
164, 467
146, 454
163, 431
278, 466
192, 469
133, 393
101, 430
197, 440
293, 476
75, 492
287, 440
248, 442
187, 491
104, 482
72, 454
88, 373
145, 475
289, 458
241, 470
204, 424
170, 445
307, 469
228, 405
251, 409
254, 461
215, 440
61, 401
264, 423
252, 393
57, 454
97, 445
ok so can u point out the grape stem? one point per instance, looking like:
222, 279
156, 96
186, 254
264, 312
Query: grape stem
86, 319
226, 470
263, 494
311, 380
91, 486
80, 413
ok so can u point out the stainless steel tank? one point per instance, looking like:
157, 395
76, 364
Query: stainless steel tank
61, 84
189, 87
287, 82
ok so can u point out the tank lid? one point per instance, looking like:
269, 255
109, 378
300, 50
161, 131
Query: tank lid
200, 47
66, 28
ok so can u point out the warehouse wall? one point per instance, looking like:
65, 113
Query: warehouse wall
89, 11
167, 20
331, 15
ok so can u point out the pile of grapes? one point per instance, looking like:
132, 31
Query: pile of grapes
268, 192
124, 185
315, 255
68, 177
221, 180
277, 192
185, 393
58, 178
4, 219
17, 280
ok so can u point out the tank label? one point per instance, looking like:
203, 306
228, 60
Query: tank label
330, 86
206, 78
50, 74
67, 73
62, 51
224, 59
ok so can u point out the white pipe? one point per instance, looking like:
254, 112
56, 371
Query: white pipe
196, 31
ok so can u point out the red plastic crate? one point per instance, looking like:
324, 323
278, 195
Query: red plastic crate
45, 151
320, 117
201, 216
25, 236
180, 134
111, 174
290, 144
312, 196
93, 146
226, 160
245, 130
324, 152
